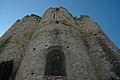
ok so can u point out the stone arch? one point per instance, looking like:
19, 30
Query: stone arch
55, 63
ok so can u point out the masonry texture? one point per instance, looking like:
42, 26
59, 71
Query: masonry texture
58, 46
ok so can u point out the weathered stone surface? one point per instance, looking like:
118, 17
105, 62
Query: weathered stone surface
14, 42
88, 52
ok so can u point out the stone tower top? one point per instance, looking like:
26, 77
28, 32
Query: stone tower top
57, 14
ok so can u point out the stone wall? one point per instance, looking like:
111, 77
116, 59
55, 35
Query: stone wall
14, 42
56, 33
98, 45
88, 53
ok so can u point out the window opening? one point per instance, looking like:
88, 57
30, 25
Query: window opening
55, 64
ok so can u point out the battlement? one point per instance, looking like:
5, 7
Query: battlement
34, 46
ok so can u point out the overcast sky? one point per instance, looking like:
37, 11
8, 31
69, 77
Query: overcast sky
105, 12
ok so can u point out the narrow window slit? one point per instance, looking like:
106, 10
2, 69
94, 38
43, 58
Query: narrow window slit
54, 16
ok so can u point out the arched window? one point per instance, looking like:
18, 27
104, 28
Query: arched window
55, 64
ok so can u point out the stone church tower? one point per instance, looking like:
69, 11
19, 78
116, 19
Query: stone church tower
57, 46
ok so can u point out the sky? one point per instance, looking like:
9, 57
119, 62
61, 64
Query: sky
105, 12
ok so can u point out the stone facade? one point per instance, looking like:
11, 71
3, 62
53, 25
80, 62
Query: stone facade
86, 53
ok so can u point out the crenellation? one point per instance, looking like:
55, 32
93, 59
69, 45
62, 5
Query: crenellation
91, 35
21, 33
78, 48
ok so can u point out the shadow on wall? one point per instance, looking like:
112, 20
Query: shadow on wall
6, 68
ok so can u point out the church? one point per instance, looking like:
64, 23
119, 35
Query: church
58, 46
